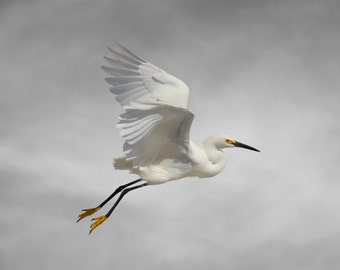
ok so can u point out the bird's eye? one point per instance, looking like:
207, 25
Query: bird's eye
228, 141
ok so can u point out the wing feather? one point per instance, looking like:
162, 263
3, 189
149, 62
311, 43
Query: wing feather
147, 133
155, 103
118, 63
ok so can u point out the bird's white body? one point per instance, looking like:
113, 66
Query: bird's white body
156, 126
204, 160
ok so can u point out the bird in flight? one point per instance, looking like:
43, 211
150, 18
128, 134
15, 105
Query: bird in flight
156, 128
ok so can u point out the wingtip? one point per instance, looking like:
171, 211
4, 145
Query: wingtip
131, 54
111, 50
105, 68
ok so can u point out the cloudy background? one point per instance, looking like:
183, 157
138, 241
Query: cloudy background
264, 72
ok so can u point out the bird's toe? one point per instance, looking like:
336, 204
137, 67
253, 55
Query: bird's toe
87, 212
97, 221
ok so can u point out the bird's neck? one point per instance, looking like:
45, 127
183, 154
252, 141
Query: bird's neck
216, 158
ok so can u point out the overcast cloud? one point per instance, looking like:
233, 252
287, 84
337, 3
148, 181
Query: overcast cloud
264, 72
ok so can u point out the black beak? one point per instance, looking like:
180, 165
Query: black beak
238, 144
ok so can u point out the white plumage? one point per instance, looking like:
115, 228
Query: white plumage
155, 119
156, 128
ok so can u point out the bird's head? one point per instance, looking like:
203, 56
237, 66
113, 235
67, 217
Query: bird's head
222, 141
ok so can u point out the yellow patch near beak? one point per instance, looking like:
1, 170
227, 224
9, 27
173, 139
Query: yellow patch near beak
230, 141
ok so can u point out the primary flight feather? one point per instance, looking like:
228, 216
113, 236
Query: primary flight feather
156, 127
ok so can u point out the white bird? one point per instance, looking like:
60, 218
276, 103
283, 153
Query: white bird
156, 126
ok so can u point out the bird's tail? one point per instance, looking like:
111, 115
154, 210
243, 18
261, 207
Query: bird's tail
122, 164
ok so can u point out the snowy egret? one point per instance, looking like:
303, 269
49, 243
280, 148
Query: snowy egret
155, 126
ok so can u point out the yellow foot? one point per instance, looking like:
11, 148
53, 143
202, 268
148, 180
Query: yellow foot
87, 212
97, 222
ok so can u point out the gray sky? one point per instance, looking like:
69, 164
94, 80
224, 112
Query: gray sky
264, 72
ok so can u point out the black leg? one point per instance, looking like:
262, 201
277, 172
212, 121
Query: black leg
90, 211
121, 197
119, 189
99, 220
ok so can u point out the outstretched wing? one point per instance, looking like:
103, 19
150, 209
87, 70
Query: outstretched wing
155, 102
136, 82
